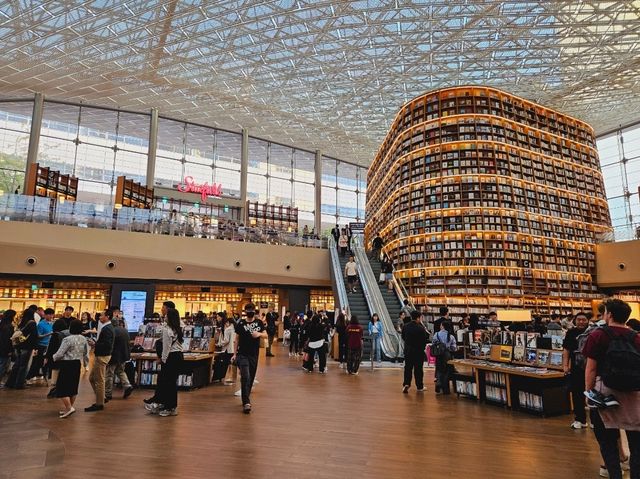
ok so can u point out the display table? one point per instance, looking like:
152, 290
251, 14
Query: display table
529, 389
195, 372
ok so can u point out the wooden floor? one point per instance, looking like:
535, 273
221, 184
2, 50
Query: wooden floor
302, 425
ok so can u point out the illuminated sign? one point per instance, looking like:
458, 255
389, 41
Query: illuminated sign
205, 189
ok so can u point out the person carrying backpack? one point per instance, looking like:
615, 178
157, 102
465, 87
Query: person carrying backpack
612, 378
443, 344
573, 364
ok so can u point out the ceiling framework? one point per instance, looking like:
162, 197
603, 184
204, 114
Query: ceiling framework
317, 74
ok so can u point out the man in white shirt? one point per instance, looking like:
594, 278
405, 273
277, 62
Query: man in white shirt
351, 272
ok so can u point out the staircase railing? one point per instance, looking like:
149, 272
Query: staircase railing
337, 278
401, 292
390, 339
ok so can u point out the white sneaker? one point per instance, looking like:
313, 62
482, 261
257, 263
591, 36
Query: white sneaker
168, 412
624, 465
604, 472
578, 425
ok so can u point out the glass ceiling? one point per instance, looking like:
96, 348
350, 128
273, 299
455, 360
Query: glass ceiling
317, 74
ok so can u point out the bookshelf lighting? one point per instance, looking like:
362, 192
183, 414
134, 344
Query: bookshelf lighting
487, 200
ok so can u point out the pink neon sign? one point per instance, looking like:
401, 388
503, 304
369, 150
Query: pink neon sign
205, 189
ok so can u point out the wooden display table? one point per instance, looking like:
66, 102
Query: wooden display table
534, 390
196, 370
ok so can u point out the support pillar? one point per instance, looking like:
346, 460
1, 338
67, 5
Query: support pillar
318, 197
34, 136
244, 171
153, 148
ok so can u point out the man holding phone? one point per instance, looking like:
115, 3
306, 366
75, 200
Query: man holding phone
246, 348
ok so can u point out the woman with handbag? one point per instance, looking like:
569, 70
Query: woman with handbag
444, 344
70, 356
24, 340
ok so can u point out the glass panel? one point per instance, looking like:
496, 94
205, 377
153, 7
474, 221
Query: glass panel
305, 218
328, 172
328, 200
131, 165
280, 158
93, 192
171, 139
257, 188
57, 149
168, 172
280, 192
347, 176
347, 204
133, 133
304, 196
98, 127
15, 125
94, 163
200, 142
230, 181
258, 156
200, 173
228, 150
304, 169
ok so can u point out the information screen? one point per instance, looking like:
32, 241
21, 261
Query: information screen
132, 305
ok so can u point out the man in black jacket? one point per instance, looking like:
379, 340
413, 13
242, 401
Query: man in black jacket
103, 347
272, 329
414, 336
120, 355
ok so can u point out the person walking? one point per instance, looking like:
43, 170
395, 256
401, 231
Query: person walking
24, 347
343, 340
316, 344
6, 348
60, 332
414, 336
120, 355
376, 246
351, 273
294, 338
227, 338
574, 370
443, 368
45, 330
72, 353
272, 329
245, 355
343, 243
354, 334
375, 331
171, 362
103, 347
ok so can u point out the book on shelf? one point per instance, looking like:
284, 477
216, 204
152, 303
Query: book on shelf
532, 356
556, 342
149, 343
543, 357
518, 353
555, 359
139, 341
532, 340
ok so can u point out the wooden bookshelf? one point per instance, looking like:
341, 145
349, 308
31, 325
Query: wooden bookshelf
48, 183
276, 217
132, 194
487, 200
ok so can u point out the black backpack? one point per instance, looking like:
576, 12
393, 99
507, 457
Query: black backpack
438, 348
621, 366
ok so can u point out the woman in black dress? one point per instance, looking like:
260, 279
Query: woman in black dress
72, 353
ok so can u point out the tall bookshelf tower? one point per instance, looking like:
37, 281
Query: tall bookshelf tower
486, 200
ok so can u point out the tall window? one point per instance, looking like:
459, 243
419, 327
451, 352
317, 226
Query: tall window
15, 125
344, 189
96, 145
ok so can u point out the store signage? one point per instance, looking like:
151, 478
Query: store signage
205, 189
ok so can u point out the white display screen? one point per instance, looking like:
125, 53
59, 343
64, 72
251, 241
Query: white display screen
132, 305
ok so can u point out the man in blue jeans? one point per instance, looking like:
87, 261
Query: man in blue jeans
246, 349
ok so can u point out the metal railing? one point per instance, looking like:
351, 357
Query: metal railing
401, 292
390, 340
35, 209
338, 279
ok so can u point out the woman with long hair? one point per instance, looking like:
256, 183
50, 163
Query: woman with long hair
375, 331
172, 357
72, 353
341, 329
6, 348
24, 350
316, 344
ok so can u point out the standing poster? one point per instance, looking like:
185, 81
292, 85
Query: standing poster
132, 305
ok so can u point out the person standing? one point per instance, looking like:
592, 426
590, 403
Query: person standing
272, 329
351, 273
227, 338
375, 331
24, 350
316, 344
60, 332
574, 370
294, 336
72, 353
415, 341
601, 369
120, 355
246, 348
354, 334
171, 362
377, 245
67, 315
103, 347
341, 329
349, 234
6, 348
442, 360
343, 243
444, 317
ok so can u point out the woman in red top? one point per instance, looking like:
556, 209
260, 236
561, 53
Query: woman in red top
606, 422
354, 335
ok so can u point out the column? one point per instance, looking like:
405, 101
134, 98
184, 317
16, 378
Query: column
318, 198
34, 136
153, 148
244, 169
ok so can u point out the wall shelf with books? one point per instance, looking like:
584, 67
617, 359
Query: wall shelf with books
48, 183
277, 217
132, 194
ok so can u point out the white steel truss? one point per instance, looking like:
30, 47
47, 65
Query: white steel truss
326, 75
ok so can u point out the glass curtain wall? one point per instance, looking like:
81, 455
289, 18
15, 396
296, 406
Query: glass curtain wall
344, 189
96, 145
15, 125
281, 175
205, 154
620, 162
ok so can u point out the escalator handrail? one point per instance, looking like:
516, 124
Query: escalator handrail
390, 338
401, 292
343, 299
